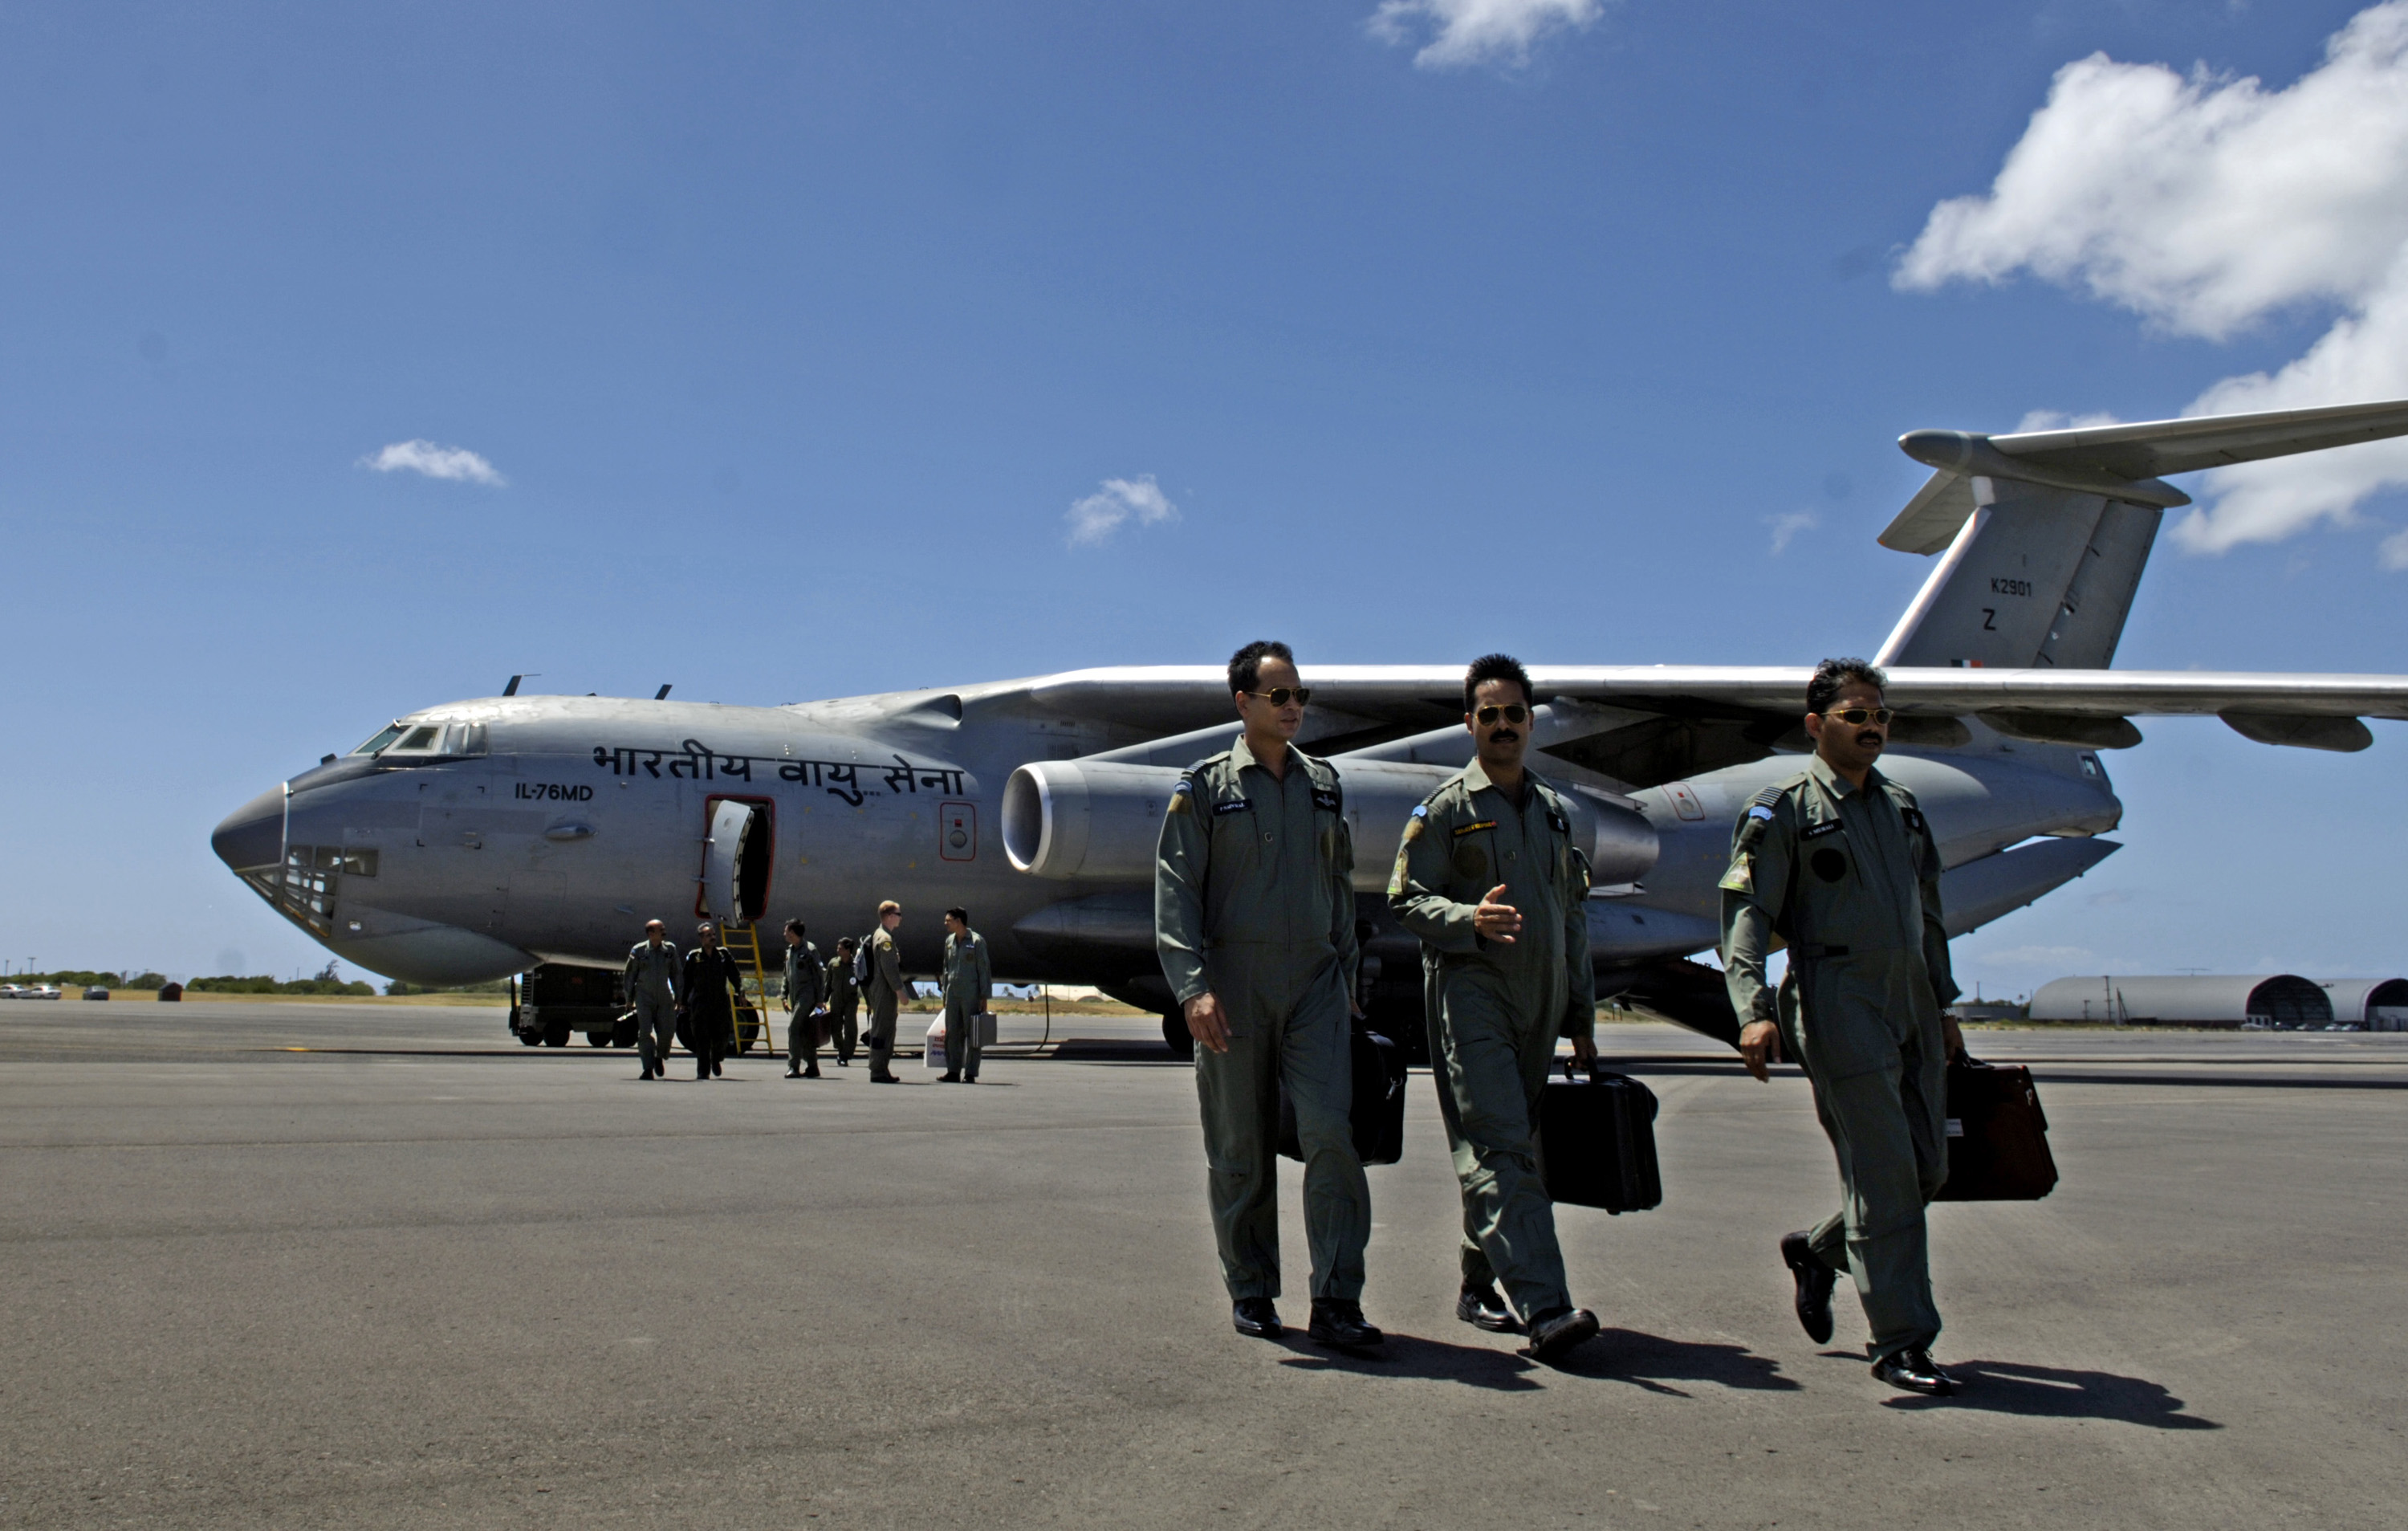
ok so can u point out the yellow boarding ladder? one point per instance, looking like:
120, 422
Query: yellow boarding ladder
742, 939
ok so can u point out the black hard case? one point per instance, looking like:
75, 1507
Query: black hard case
1596, 1141
1998, 1137
1379, 1110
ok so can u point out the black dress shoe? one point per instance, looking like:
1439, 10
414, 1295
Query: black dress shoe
884, 1080
1484, 1307
1555, 1335
1338, 1323
949, 1079
1913, 1370
1814, 1282
812, 1072
1258, 1317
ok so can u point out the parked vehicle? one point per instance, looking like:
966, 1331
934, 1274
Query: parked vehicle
95, 993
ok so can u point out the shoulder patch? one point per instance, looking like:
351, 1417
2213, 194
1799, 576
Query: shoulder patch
1770, 796
1914, 817
1235, 805
1828, 826
1462, 829
1562, 825
1325, 799
1759, 810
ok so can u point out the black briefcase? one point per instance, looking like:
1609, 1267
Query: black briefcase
1998, 1138
1378, 1112
1596, 1141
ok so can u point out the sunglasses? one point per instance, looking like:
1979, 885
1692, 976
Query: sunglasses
1280, 696
1512, 713
1855, 717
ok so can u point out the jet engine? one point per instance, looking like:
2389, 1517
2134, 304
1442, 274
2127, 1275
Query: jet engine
1096, 822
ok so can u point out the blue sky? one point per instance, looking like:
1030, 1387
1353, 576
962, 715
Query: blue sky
793, 336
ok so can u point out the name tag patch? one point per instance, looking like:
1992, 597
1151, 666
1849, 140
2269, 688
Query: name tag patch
1235, 805
1468, 829
1828, 826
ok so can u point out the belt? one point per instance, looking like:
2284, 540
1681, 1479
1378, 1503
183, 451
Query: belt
1811, 952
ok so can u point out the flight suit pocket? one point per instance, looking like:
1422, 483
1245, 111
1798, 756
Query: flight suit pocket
1843, 1021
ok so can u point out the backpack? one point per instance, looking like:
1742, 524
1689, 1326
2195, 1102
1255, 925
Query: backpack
861, 965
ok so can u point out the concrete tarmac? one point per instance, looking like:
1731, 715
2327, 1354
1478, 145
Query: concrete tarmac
432, 1281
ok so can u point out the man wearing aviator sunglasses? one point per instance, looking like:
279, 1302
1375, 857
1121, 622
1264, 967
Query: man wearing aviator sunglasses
1489, 879
1839, 861
1253, 913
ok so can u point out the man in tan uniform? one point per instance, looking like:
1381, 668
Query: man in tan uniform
884, 992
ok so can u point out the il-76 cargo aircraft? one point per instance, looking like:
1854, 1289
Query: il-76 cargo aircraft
477, 839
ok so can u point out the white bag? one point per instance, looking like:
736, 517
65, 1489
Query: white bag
936, 1055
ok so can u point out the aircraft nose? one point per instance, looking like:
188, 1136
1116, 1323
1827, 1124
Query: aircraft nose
253, 834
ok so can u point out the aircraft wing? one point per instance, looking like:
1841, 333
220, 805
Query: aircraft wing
1198, 695
1644, 725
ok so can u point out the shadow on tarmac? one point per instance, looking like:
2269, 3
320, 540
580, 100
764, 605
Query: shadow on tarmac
1654, 1364
1410, 1355
1644, 1361
2004, 1387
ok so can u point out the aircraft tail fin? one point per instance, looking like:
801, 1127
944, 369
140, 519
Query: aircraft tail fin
2048, 532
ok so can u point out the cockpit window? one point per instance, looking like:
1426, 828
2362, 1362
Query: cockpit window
422, 737
384, 736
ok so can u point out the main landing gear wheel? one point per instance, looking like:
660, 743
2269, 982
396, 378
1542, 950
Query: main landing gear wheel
1174, 1032
597, 1039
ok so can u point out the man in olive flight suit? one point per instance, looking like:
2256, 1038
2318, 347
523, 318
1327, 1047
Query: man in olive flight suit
805, 995
885, 992
1489, 877
969, 987
1254, 917
843, 1002
652, 967
1839, 861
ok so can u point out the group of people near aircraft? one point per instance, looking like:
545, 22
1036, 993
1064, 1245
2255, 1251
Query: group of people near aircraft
1255, 923
1254, 927
692, 998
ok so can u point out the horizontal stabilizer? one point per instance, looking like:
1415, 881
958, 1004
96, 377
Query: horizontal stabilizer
2117, 461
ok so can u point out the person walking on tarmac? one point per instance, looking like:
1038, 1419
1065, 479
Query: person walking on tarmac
703, 987
969, 987
1253, 917
884, 991
651, 987
1489, 877
806, 998
843, 1001
1840, 861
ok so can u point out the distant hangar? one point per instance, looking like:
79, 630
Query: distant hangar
2281, 1001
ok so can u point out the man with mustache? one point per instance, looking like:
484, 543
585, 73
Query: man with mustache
1253, 919
1839, 861
1489, 879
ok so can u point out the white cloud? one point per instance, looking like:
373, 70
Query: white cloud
1786, 527
1114, 504
2059, 420
1477, 31
2394, 552
437, 462
2207, 205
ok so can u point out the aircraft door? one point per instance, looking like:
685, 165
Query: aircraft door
736, 856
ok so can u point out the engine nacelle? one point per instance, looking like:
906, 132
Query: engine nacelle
1101, 823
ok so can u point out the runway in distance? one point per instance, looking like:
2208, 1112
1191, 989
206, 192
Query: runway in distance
476, 839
